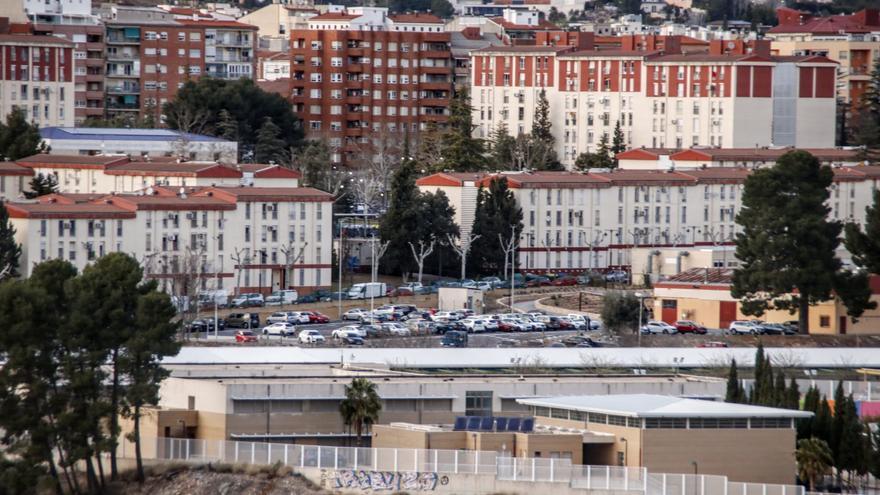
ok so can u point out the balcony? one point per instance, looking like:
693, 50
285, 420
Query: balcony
124, 89
123, 40
123, 75
123, 107
95, 95
122, 56
233, 41
94, 111
95, 47
437, 69
94, 62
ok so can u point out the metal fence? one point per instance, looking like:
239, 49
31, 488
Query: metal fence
503, 467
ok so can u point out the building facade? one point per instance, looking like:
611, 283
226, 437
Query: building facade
240, 239
582, 221
674, 159
360, 76
733, 96
853, 41
37, 76
138, 143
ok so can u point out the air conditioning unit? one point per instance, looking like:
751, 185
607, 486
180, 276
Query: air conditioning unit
190, 216
172, 237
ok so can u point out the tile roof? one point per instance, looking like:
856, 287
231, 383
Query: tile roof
449, 178
702, 276
523, 49
167, 203
268, 194
10, 168
44, 160
835, 24
543, 25
65, 211
172, 169
765, 154
417, 18
334, 16
214, 23
33, 39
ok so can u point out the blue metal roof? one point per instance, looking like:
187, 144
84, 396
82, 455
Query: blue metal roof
121, 134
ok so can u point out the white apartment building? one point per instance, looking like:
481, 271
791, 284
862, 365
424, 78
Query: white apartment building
666, 159
106, 174
718, 99
579, 221
14, 181
241, 239
37, 76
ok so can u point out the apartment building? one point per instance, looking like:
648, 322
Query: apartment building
853, 41
360, 75
36, 75
731, 96
151, 53
71, 20
242, 239
570, 220
14, 181
108, 174
665, 159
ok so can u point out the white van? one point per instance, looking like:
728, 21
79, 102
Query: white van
367, 290
280, 297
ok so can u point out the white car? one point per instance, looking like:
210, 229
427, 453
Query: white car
474, 325
281, 317
354, 314
446, 315
658, 327
484, 286
311, 337
279, 328
395, 329
490, 325
341, 333
744, 327
298, 317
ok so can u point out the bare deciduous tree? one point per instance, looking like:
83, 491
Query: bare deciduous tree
377, 255
240, 256
463, 249
292, 256
425, 250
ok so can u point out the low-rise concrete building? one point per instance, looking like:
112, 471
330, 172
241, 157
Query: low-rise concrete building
669, 159
138, 142
676, 435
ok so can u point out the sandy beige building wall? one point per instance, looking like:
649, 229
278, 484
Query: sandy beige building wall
537, 445
730, 453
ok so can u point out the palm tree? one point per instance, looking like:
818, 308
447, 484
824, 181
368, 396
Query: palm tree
361, 406
814, 458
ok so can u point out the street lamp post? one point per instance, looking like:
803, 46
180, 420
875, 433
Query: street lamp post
625, 451
640, 296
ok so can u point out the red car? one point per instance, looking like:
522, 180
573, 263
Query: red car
564, 281
687, 326
245, 336
316, 317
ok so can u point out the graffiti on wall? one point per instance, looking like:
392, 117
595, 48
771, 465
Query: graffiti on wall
352, 479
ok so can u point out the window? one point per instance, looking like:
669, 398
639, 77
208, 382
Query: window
824, 321
478, 403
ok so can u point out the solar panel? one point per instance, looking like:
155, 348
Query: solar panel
528, 425
500, 424
473, 423
513, 424
460, 423
487, 423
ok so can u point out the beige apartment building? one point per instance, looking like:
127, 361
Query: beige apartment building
37, 76
853, 41
233, 237
579, 221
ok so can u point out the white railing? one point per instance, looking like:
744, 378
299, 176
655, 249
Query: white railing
503, 467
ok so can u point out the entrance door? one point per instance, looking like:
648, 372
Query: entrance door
727, 313
842, 327
670, 311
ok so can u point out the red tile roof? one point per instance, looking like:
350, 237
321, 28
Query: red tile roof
44, 160
33, 39
645, 153
159, 202
334, 16
264, 171
860, 22
66, 211
267, 194
449, 178
10, 168
761, 154
217, 24
694, 276
172, 169
552, 180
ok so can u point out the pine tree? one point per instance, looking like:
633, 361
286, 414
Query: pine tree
734, 387
401, 222
313, 161
269, 146
792, 395
822, 423
618, 143
19, 138
41, 185
461, 151
604, 151
865, 246
227, 127
503, 148
806, 427
542, 127
838, 424
867, 133
10, 251
780, 392
784, 211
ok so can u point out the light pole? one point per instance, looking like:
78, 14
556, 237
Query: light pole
625, 451
696, 473
640, 296
512, 265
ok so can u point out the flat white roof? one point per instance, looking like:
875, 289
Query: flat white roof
623, 357
661, 406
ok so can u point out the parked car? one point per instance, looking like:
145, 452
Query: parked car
776, 329
341, 333
687, 326
617, 276
744, 327
281, 297
243, 336
311, 337
248, 300
658, 327
565, 281
454, 338
495, 282
352, 340
316, 317
474, 325
243, 320
298, 317
205, 325
537, 281
307, 299
279, 328
395, 329
584, 279
354, 314
283, 317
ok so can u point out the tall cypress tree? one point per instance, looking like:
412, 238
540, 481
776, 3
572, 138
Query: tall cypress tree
496, 212
865, 246
792, 395
734, 387
400, 224
542, 127
461, 151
